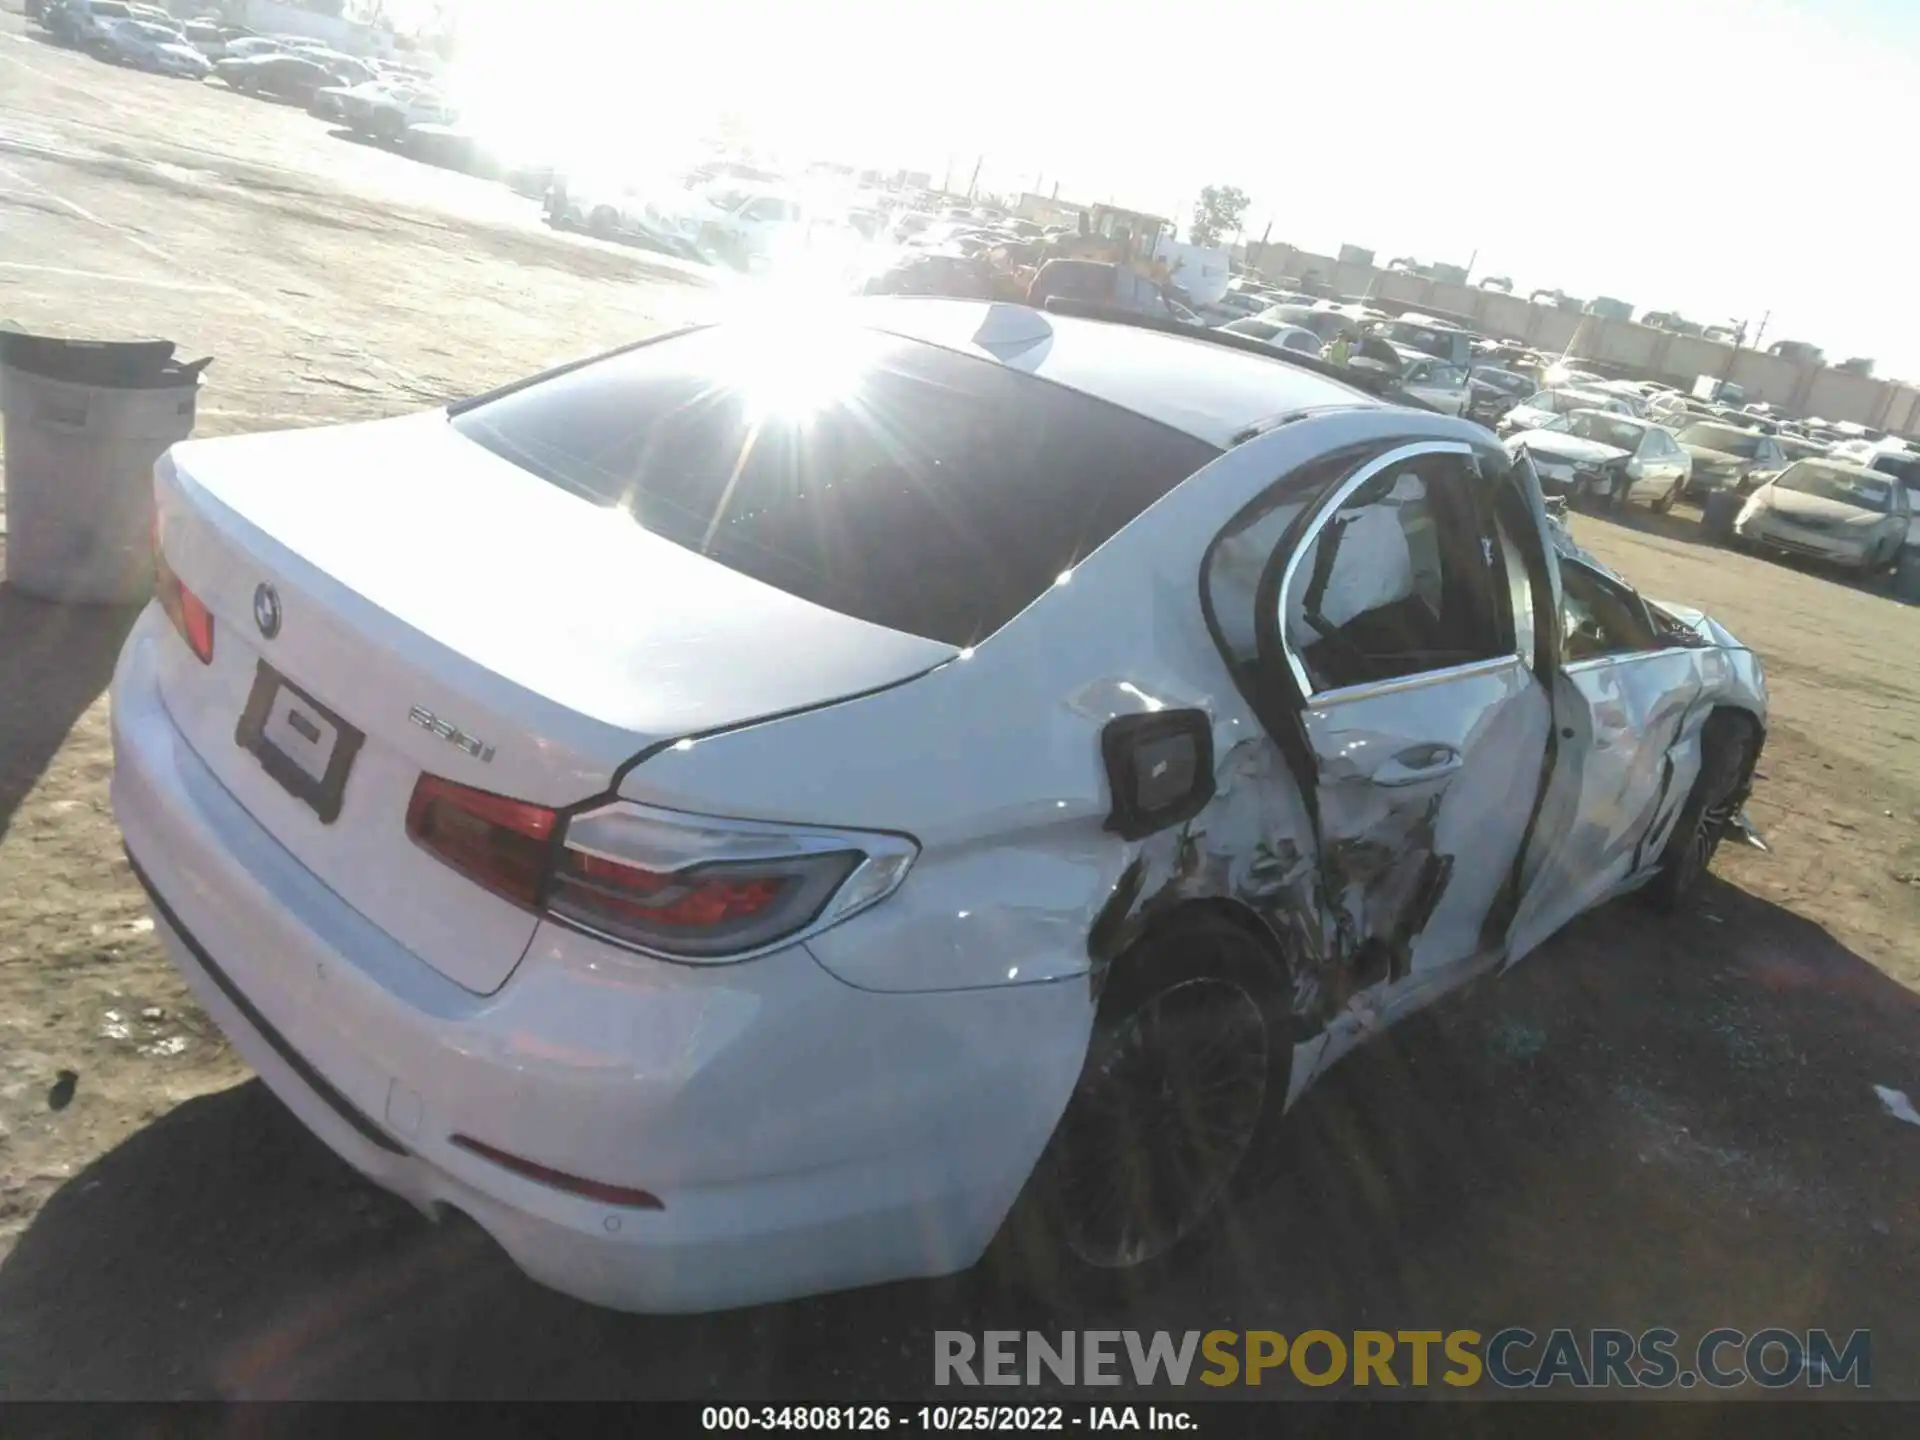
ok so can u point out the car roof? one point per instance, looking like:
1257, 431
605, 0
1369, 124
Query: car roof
1845, 467
1211, 391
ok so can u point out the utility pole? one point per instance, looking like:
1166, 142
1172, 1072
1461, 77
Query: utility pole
1470, 263
975, 180
1762, 330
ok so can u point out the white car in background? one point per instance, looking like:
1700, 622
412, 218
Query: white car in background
1296, 338
735, 223
832, 796
1842, 512
148, 45
1599, 456
1538, 410
1437, 383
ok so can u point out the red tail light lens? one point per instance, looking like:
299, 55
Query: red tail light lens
684, 887
189, 616
504, 845
702, 911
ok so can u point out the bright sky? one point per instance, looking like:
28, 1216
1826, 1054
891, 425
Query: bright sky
1719, 157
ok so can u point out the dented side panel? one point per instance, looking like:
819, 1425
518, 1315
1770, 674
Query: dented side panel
1417, 862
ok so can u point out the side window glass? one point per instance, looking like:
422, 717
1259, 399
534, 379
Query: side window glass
1396, 582
1597, 618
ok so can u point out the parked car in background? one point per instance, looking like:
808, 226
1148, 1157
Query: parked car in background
1628, 392
1725, 457
1606, 458
1098, 282
1832, 510
281, 76
383, 109
757, 1019
1324, 323
145, 45
1890, 457
83, 23
1539, 408
742, 224
249, 47
1563, 372
1802, 447
933, 272
1430, 337
1436, 383
1295, 338
1493, 391
215, 40
1243, 300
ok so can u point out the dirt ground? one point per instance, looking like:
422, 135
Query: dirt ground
1650, 1122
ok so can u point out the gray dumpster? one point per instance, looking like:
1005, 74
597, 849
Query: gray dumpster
85, 422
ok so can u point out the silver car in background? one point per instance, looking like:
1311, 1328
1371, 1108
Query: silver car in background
1600, 456
1833, 510
1538, 409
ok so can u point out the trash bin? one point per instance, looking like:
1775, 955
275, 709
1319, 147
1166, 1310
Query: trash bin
1906, 575
85, 422
1718, 512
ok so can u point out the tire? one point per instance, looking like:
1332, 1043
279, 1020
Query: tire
603, 222
1665, 503
1729, 745
1185, 1071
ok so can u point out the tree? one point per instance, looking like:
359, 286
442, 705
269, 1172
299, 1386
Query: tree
1216, 213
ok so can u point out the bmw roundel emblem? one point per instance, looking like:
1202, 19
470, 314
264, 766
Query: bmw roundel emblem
266, 609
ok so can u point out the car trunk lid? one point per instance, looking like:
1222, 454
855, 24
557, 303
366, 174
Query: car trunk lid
471, 621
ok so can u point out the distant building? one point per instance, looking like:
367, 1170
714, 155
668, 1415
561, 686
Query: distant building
349, 37
1355, 255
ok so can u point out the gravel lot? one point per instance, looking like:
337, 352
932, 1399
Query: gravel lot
1649, 1123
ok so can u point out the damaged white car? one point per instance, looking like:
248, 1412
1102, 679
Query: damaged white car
793, 805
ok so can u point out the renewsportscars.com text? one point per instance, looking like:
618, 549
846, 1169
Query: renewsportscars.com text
1513, 1358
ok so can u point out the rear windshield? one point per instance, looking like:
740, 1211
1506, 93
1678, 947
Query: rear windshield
1724, 438
923, 490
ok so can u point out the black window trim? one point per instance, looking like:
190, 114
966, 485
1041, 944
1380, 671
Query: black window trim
1329, 506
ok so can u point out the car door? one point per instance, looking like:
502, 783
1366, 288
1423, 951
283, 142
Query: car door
1397, 657
1623, 694
1652, 467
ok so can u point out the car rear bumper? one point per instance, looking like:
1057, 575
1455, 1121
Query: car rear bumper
800, 1134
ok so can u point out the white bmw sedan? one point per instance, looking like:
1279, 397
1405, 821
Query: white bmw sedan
789, 806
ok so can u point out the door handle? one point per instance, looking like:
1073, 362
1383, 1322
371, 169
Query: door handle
1419, 764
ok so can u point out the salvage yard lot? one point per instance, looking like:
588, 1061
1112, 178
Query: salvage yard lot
1651, 1122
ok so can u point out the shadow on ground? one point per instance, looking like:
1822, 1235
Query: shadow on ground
1652, 1122
54, 662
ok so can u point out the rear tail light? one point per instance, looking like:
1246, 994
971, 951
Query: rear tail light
184, 608
504, 845
679, 886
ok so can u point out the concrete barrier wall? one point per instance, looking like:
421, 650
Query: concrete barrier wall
1654, 354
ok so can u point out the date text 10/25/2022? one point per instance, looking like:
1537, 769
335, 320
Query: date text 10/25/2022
945, 1418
